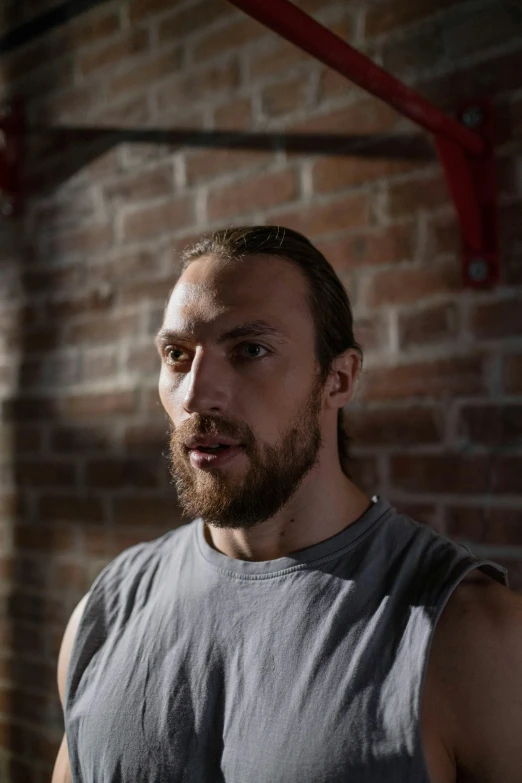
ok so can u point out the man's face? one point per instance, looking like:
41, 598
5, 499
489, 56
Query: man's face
239, 369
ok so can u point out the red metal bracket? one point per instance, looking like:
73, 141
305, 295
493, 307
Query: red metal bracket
465, 147
11, 132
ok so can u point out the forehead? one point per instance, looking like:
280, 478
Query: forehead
257, 287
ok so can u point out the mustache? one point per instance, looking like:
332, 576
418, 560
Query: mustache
206, 424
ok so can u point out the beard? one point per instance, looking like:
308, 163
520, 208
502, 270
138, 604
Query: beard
275, 471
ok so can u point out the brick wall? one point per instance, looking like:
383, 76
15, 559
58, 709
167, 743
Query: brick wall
84, 274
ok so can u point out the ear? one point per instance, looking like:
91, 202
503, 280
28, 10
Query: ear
341, 380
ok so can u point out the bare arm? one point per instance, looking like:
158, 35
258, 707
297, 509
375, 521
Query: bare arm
62, 770
474, 688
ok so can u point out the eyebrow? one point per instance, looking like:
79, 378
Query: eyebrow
257, 328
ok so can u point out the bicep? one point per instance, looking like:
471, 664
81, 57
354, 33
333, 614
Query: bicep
478, 659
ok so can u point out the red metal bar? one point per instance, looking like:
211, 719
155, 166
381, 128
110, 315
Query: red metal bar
291, 23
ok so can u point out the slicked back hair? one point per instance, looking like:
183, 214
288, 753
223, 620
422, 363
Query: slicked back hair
329, 303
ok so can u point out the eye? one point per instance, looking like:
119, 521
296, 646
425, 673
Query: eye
173, 354
252, 351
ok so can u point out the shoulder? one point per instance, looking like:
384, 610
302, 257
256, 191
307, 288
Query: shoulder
475, 668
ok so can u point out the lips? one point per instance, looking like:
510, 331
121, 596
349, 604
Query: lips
208, 441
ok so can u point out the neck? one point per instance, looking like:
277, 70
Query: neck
325, 503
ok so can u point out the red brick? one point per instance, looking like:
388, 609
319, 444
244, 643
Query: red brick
364, 472
116, 473
143, 74
125, 264
131, 45
44, 538
143, 360
496, 526
502, 318
407, 198
80, 439
69, 508
146, 221
284, 97
369, 332
275, 61
486, 27
512, 373
91, 29
146, 184
33, 473
492, 424
444, 378
369, 116
141, 9
104, 329
140, 511
429, 325
335, 173
234, 115
344, 212
182, 23
386, 16
255, 193
408, 57
85, 240
206, 165
370, 247
97, 405
69, 576
144, 438
394, 426
237, 33
28, 408
506, 474
444, 473
443, 236
98, 367
408, 285
198, 85
124, 113
141, 291
425, 513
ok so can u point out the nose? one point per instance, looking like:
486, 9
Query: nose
205, 386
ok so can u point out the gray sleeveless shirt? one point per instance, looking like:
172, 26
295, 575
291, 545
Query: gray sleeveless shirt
193, 667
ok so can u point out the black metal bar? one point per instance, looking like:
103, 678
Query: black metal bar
42, 24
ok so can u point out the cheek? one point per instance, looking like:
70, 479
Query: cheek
168, 391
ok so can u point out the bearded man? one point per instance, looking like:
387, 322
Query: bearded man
296, 630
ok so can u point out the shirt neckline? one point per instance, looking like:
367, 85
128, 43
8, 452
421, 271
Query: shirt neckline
264, 568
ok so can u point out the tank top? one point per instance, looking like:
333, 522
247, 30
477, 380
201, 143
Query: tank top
190, 666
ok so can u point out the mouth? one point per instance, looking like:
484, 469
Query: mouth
216, 455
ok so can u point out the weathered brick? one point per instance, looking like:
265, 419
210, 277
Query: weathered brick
147, 184
343, 212
441, 473
336, 173
284, 97
141, 75
512, 373
42, 537
368, 116
79, 439
506, 474
85, 240
92, 29
491, 424
234, 115
395, 426
139, 10
102, 329
182, 23
96, 405
142, 510
206, 165
275, 60
198, 86
135, 43
238, 33
115, 473
495, 24
142, 438
370, 247
407, 285
69, 508
439, 379
502, 318
426, 194
141, 222
39, 473
25, 408
387, 16
421, 52
256, 192
429, 325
